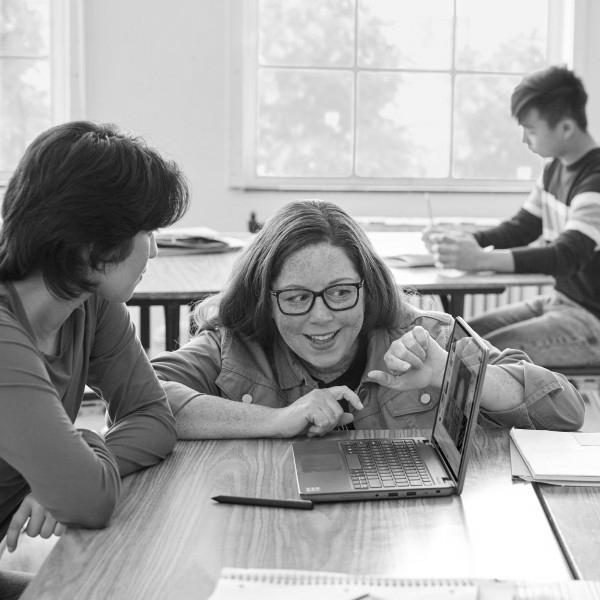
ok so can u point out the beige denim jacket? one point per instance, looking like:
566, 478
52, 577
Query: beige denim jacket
219, 363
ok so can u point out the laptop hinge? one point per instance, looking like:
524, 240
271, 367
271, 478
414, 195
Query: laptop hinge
439, 452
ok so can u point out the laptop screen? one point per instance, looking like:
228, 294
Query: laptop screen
459, 398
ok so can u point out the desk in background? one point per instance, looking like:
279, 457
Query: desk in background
168, 540
175, 281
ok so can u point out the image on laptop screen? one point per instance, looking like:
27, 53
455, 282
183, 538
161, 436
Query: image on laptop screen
462, 378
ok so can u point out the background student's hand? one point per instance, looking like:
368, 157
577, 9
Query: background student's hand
458, 250
39, 522
316, 413
430, 235
414, 361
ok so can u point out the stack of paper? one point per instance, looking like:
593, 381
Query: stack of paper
556, 457
194, 240
401, 249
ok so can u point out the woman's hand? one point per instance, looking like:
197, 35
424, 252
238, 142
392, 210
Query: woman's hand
414, 361
316, 413
39, 522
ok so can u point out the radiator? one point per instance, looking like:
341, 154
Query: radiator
477, 304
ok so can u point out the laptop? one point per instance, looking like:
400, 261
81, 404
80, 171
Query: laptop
331, 470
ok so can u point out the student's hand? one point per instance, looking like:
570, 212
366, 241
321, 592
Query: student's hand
316, 413
39, 522
431, 234
414, 361
458, 250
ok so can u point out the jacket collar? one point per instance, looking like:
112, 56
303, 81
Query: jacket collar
291, 373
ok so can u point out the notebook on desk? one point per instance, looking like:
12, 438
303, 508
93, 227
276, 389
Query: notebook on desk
401, 248
378, 468
194, 240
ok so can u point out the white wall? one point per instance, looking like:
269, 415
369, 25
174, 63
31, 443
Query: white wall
161, 69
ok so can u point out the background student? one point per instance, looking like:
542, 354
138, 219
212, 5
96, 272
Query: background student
561, 328
77, 232
311, 334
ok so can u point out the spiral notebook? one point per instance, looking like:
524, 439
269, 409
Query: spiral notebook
278, 584
267, 584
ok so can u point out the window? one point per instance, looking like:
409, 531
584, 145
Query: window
34, 73
389, 94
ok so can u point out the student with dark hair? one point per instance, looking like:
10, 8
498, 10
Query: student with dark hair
77, 232
311, 333
563, 214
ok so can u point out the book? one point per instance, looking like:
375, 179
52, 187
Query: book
556, 457
401, 249
195, 240
271, 584
409, 260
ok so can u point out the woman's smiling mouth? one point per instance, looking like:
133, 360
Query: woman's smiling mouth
321, 338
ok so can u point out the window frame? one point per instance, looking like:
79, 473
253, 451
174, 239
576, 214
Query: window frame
563, 44
66, 65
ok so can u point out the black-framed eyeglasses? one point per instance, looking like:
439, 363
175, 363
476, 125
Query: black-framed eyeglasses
299, 301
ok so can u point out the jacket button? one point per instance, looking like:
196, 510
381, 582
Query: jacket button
247, 398
425, 399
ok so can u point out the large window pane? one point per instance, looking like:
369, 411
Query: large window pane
395, 94
24, 106
24, 27
487, 140
306, 33
304, 123
405, 34
397, 136
501, 36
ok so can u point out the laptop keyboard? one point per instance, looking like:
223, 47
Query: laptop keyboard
385, 464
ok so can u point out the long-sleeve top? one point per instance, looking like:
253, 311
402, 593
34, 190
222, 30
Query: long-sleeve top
220, 363
75, 474
564, 210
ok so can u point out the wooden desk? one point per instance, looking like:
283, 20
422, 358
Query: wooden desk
452, 290
174, 281
574, 514
169, 540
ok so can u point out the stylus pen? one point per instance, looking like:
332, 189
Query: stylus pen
304, 504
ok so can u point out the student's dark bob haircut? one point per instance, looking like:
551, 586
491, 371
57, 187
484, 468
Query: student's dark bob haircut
556, 93
246, 304
77, 198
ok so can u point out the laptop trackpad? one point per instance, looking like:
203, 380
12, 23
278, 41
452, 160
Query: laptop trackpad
322, 471
319, 462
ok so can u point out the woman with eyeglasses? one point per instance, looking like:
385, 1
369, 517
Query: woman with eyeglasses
311, 334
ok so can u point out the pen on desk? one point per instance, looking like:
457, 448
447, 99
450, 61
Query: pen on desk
303, 504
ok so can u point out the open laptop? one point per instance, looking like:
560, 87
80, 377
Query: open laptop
330, 470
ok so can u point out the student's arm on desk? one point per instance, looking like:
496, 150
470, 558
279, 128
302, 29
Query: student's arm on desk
201, 416
191, 377
518, 393
460, 250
